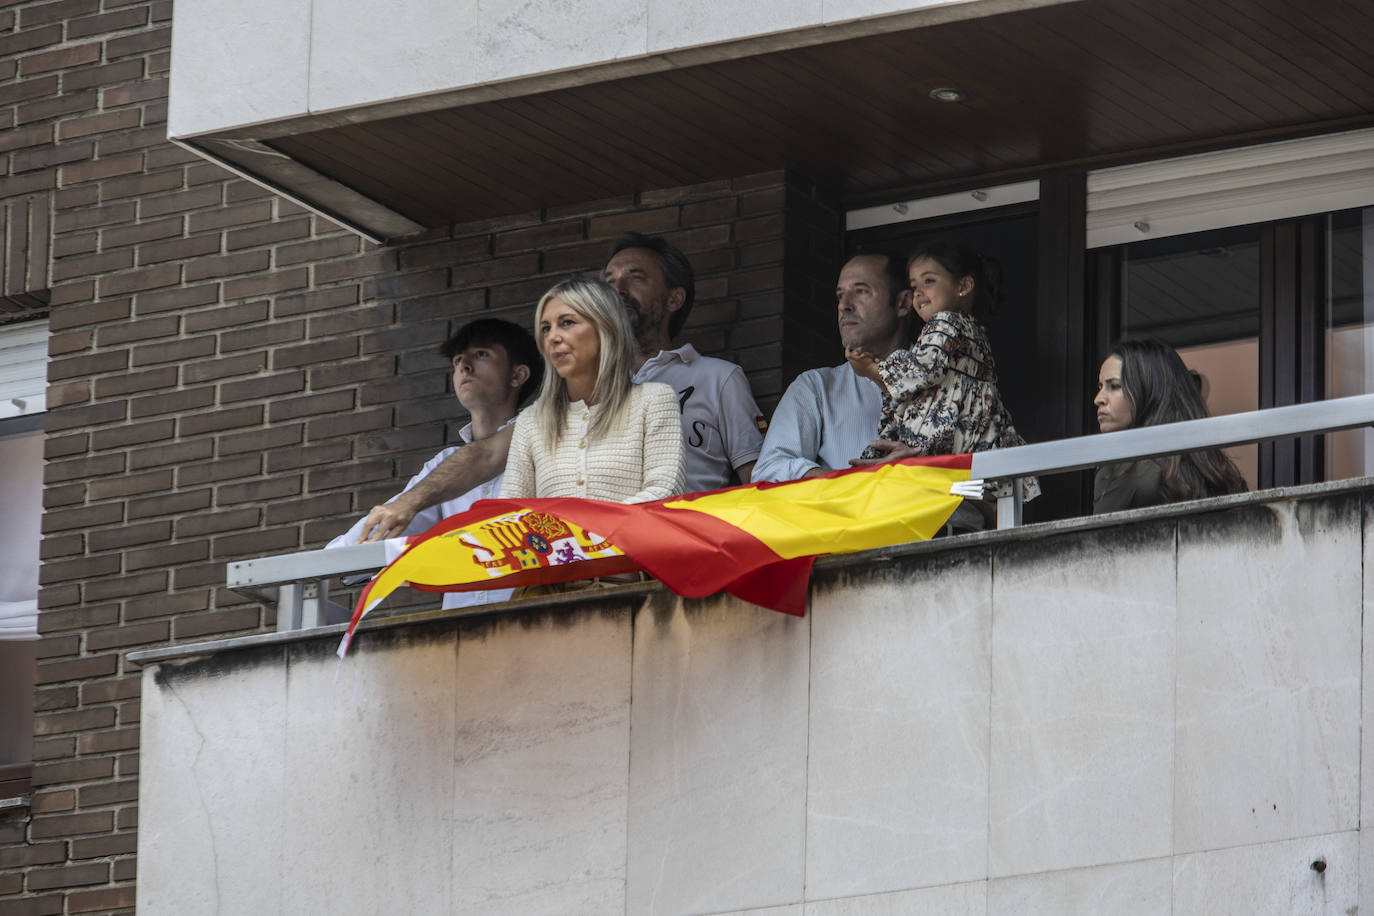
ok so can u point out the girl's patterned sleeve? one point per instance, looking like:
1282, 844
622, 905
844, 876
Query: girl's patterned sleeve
665, 463
519, 482
907, 373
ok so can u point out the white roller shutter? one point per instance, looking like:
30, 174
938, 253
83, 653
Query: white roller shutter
23, 368
1233, 187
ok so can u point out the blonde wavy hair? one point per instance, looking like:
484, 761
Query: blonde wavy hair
597, 302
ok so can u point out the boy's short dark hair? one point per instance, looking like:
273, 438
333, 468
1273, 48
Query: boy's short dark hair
515, 340
677, 271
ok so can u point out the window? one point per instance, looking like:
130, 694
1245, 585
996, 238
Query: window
21, 493
23, 358
1247, 267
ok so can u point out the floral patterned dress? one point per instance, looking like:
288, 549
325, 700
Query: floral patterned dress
942, 396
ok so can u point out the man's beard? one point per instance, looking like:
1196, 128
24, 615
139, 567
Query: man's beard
644, 320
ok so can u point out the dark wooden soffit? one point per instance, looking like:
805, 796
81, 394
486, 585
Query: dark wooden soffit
1094, 82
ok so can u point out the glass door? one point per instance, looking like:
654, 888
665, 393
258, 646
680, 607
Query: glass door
1349, 333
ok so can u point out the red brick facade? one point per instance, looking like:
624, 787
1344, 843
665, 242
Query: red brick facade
234, 376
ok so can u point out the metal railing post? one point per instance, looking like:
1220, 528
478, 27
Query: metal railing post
314, 601
1010, 495
290, 603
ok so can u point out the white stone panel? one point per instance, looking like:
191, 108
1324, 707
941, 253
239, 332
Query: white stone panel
1367, 691
1268, 735
1366, 877
794, 909
949, 900
1129, 889
684, 23
717, 758
519, 37
212, 777
897, 788
237, 62
1082, 700
1271, 879
370, 50
541, 764
368, 825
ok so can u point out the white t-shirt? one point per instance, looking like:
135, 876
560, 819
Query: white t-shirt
722, 426
426, 519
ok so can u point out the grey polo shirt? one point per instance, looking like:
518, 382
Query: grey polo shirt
722, 426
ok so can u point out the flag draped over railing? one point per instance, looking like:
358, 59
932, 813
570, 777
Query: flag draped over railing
756, 542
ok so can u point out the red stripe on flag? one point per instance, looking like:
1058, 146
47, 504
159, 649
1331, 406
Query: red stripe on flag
693, 553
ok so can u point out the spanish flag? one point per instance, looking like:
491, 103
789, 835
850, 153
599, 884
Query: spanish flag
756, 542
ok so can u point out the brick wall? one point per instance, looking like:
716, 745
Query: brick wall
233, 376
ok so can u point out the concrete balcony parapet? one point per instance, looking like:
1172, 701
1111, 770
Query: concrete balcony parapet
1154, 711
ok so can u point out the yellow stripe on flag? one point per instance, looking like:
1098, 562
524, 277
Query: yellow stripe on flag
891, 504
487, 549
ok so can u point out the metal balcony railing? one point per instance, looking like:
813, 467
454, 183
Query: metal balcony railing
298, 583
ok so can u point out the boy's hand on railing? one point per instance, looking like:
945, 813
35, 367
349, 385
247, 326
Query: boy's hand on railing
389, 520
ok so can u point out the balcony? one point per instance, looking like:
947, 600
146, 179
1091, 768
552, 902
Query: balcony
393, 124
1132, 713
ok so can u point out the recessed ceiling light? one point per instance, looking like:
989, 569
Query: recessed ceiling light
948, 94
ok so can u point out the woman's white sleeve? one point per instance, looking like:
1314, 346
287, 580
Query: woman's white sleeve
665, 463
518, 482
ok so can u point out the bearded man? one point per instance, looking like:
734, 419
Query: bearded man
722, 428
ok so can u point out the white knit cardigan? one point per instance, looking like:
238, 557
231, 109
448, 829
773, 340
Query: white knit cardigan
639, 461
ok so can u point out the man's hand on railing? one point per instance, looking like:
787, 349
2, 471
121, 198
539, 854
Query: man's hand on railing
388, 520
892, 451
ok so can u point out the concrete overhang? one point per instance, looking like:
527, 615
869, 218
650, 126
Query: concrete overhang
395, 125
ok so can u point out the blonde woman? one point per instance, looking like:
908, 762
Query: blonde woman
593, 432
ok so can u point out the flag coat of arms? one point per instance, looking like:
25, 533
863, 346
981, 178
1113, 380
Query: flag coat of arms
756, 542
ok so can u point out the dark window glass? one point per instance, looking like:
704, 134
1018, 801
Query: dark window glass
1200, 293
1350, 333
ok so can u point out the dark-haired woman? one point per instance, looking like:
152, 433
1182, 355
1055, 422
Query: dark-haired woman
940, 396
1145, 383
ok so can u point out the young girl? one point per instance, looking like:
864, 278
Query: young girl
940, 397
1145, 383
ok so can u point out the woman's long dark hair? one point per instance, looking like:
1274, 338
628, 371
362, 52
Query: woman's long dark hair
962, 261
1162, 390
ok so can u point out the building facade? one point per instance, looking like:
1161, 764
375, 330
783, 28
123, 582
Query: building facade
243, 320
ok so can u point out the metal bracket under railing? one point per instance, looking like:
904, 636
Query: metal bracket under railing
1004, 466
